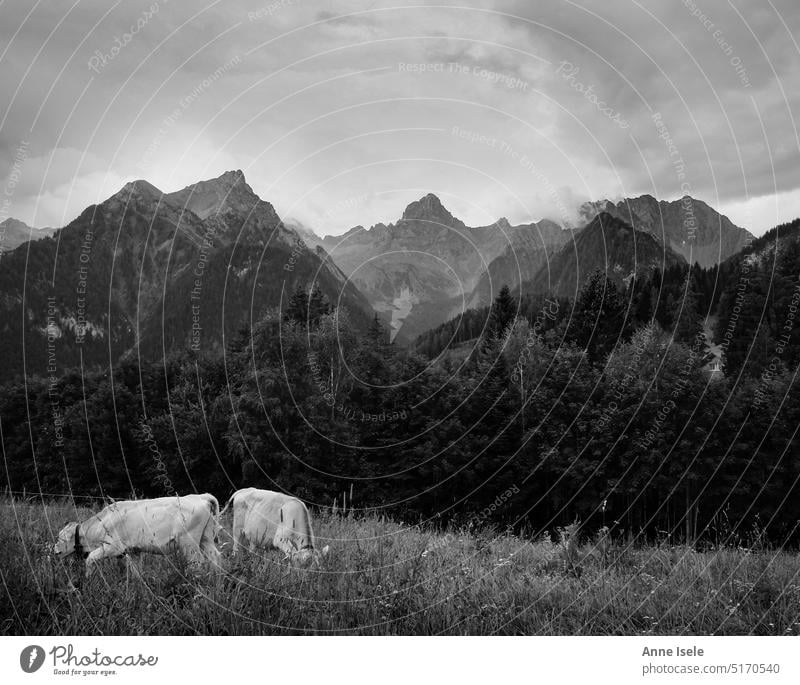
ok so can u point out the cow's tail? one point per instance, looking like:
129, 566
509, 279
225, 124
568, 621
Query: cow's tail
313, 539
212, 527
316, 550
213, 504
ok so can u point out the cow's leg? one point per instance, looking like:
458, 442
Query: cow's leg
100, 553
208, 544
236, 531
131, 569
191, 552
211, 553
283, 541
190, 548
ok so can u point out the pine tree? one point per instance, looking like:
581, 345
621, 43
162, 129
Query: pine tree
687, 317
297, 309
502, 314
318, 306
599, 316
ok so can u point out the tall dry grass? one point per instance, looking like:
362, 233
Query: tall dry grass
383, 577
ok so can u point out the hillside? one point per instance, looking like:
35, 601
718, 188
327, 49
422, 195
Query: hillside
14, 233
689, 227
425, 268
606, 244
531, 248
429, 266
143, 273
757, 325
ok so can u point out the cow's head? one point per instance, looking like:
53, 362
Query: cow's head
65, 544
308, 555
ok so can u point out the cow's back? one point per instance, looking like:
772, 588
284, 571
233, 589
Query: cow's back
151, 525
295, 518
258, 513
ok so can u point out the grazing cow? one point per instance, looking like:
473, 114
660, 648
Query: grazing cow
273, 519
187, 523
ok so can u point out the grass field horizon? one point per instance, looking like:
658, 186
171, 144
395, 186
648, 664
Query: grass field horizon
384, 577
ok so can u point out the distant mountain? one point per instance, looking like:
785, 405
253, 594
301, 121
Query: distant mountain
423, 269
429, 266
144, 273
532, 246
14, 233
142, 251
688, 226
609, 244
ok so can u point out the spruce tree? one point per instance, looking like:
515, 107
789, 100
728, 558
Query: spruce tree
599, 316
502, 314
297, 309
318, 306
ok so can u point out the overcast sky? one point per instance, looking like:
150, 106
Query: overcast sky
341, 113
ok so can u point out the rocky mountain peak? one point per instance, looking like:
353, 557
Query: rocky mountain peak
135, 196
606, 220
215, 195
231, 176
429, 208
137, 190
14, 233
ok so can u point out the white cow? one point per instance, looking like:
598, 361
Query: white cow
273, 519
187, 523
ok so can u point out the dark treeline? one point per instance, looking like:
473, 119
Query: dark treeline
471, 324
600, 410
677, 299
757, 322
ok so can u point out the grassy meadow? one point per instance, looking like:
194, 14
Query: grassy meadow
385, 578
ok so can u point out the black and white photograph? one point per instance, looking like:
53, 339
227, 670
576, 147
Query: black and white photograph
388, 320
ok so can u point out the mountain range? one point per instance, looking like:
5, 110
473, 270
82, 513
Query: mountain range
606, 244
14, 233
689, 227
146, 272
428, 266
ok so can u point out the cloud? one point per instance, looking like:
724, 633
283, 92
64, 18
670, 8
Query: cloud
328, 103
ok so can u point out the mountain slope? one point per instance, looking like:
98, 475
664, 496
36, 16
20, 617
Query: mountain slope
14, 233
424, 269
252, 264
688, 226
76, 299
757, 326
429, 266
608, 244
532, 246
143, 273
307, 234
